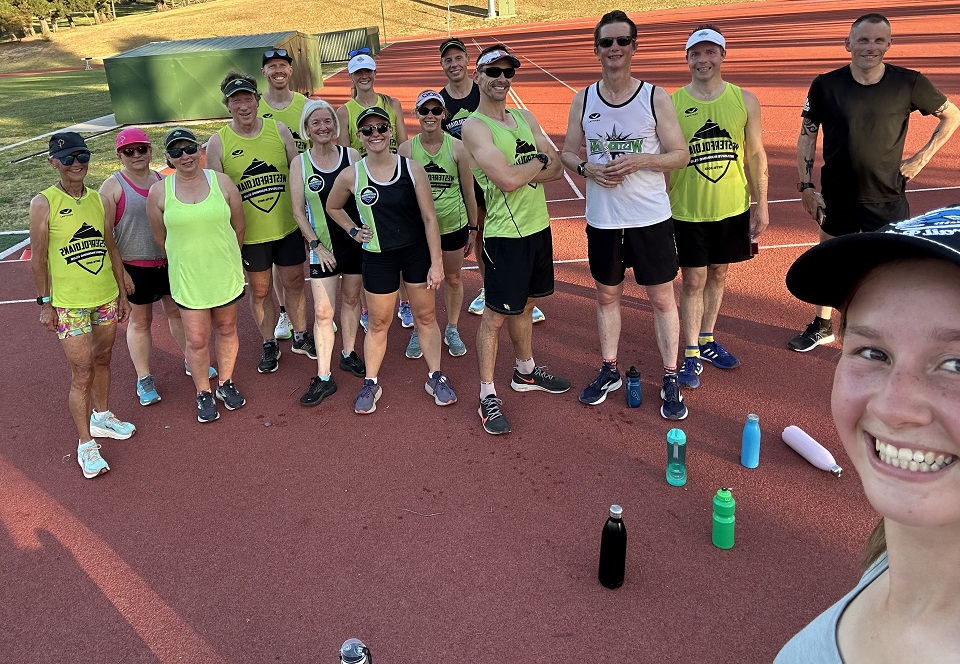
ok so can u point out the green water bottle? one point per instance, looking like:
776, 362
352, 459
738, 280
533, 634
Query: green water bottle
676, 457
724, 520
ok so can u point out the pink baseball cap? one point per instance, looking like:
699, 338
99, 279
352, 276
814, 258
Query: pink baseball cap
132, 136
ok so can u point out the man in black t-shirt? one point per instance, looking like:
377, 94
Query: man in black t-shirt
864, 108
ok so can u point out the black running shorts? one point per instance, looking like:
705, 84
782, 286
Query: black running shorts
649, 250
285, 252
517, 269
703, 243
149, 283
382, 270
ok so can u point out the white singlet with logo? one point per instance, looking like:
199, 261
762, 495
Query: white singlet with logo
610, 132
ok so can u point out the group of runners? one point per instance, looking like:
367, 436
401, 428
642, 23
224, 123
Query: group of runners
379, 217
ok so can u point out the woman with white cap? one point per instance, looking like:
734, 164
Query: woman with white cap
896, 395
447, 165
401, 243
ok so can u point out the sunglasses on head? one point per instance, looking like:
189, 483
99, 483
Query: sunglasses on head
67, 160
359, 51
494, 72
607, 42
275, 53
176, 153
427, 110
140, 149
367, 130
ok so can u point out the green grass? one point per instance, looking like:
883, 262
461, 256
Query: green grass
7, 240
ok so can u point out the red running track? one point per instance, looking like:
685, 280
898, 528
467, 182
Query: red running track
278, 532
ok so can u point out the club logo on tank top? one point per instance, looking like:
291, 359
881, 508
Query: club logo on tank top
86, 249
440, 180
712, 150
315, 183
369, 195
615, 144
261, 185
525, 152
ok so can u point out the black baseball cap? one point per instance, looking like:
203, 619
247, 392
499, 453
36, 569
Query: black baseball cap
276, 53
452, 43
66, 142
238, 85
827, 274
372, 111
179, 134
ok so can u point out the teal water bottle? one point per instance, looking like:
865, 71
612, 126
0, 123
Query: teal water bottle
676, 457
750, 446
724, 520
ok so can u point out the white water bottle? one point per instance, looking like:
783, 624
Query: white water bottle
811, 450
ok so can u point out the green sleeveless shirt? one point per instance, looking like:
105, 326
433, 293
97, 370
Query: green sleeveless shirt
206, 270
713, 186
259, 168
354, 108
444, 178
289, 116
517, 213
316, 215
81, 274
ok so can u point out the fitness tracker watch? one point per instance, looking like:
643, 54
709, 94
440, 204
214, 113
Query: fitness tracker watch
801, 186
43, 299
314, 244
582, 169
542, 158
354, 231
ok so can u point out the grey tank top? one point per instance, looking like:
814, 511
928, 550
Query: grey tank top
132, 230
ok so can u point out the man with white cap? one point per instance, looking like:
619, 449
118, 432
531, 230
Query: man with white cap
713, 221
513, 158
632, 138
865, 109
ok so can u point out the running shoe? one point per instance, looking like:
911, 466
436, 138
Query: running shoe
147, 390
365, 320
206, 407
284, 329
306, 346
673, 407
353, 364
491, 417
438, 387
270, 358
718, 356
688, 376
210, 374
91, 463
607, 380
815, 335
538, 316
479, 303
108, 426
539, 380
318, 391
413, 348
230, 396
451, 337
405, 314
366, 401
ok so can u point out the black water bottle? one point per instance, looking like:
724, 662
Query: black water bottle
613, 549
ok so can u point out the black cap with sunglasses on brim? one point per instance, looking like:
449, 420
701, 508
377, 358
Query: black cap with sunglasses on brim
66, 142
373, 111
490, 57
276, 54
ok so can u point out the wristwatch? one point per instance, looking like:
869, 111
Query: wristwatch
354, 231
582, 169
314, 244
801, 186
44, 299
542, 158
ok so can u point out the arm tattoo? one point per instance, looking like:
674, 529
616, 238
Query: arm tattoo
808, 167
940, 110
809, 128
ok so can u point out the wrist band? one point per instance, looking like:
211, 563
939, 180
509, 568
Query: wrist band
473, 228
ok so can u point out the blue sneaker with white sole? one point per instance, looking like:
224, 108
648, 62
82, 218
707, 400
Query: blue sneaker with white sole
688, 376
147, 390
718, 356
108, 426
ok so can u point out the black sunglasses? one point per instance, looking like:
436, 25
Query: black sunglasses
140, 149
68, 159
367, 130
427, 110
176, 153
358, 51
494, 72
275, 53
607, 42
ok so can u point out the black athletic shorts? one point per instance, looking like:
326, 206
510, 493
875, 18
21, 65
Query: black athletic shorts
454, 241
320, 272
382, 270
650, 250
349, 257
847, 217
517, 269
149, 283
703, 243
288, 250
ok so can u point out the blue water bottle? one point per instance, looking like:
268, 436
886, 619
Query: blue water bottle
750, 447
676, 457
634, 396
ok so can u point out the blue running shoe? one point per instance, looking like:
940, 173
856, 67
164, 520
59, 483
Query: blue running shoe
147, 390
91, 463
413, 347
673, 407
108, 426
607, 380
438, 387
451, 337
405, 315
538, 316
366, 401
206, 407
211, 374
479, 303
692, 367
365, 321
718, 356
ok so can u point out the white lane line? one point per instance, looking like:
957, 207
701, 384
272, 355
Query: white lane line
9, 251
563, 83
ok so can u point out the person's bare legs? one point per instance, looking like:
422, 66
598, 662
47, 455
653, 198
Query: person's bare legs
423, 302
82, 353
453, 285
196, 325
666, 322
224, 321
713, 296
692, 303
520, 328
139, 337
261, 303
324, 296
608, 318
381, 308
292, 278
